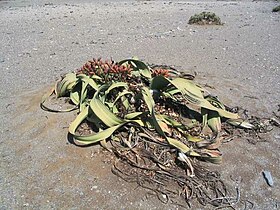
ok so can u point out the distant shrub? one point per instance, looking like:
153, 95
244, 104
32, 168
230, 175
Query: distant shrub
205, 18
276, 9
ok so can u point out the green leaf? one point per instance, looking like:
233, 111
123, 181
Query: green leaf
95, 77
100, 136
138, 66
65, 85
94, 138
223, 113
148, 99
121, 94
170, 121
194, 94
187, 87
89, 139
93, 84
83, 92
204, 113
88, 80
116, 85
159, 83
79, 119
146, 73
75, 97
213, 120
133, 115
193, 138
215, 102
103, 113
182, 147
172, 90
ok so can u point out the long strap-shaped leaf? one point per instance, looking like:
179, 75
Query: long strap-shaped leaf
46, 108
90, 139
100, 136
193, 94
174, 142
133, 115
75, 96
182, 147
148, 98
121, 94
103, 113
66, 84
116, 85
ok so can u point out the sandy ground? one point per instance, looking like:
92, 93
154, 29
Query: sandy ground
40, 40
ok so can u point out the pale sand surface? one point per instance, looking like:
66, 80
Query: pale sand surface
40, 40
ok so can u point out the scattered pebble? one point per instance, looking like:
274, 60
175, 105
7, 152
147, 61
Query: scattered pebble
94, 187
26, 204
268, 178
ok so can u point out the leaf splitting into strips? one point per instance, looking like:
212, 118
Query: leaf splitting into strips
95, 77
170, 121
89, 139
94, 138
204, 113
79, 119
194, 94
189, 90
175, 143
101, 135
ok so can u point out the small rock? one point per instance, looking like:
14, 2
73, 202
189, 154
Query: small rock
94, 187
268, 178
26, 204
